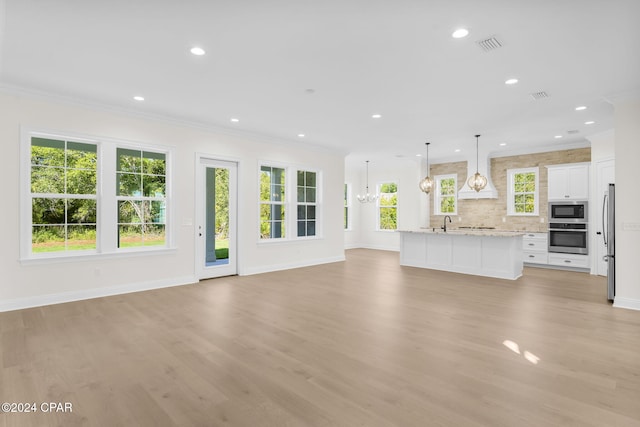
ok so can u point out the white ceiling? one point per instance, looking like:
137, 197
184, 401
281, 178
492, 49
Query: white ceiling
396, 58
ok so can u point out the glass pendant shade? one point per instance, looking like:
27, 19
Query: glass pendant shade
426, 183
477, 181
367, 197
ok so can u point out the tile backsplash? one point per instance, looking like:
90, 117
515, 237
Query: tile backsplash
491, 212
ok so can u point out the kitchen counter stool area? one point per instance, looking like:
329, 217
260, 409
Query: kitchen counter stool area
487, 253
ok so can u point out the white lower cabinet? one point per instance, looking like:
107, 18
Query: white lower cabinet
535, 252
534, 248
569, 260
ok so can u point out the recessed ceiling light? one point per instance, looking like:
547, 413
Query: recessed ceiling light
558, 136
376, 116
197, 51
457, 150
580, 108
138, 98
418, 155
502, 144
590, 122
234, 120
301, 135
460, 33
511, 81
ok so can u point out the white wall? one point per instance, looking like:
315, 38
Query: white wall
602, 152
627, 148
407, 173
354, 176
36, 284
602, 146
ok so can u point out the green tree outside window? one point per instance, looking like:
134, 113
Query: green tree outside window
388, 206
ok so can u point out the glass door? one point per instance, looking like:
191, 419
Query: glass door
216, 207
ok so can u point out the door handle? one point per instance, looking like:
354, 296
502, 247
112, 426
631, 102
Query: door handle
604, 230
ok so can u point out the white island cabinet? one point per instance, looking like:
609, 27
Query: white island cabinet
487, 253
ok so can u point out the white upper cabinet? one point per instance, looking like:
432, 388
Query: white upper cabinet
569, 181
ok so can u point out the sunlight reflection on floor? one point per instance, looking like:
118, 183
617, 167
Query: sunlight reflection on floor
513, 346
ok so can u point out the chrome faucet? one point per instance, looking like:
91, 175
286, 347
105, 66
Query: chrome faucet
444, 227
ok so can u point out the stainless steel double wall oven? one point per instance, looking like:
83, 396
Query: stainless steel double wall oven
568, 225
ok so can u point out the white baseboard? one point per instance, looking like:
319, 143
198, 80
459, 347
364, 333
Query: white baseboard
375, 247
289, 266
628, 303
62, 297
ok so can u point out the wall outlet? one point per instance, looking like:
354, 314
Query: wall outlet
459, 219
541, 219
504, 219
631, 226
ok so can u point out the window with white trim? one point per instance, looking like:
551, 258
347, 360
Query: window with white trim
445, 196
522, 191
290, 202
73, 187
347, 207
272, 202
63, 193
307, 203
141, 189
388, 206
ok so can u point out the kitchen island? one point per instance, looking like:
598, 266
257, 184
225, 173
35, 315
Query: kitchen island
487, 253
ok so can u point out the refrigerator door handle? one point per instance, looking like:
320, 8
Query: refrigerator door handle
604, 229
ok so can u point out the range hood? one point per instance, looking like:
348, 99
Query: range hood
484, 167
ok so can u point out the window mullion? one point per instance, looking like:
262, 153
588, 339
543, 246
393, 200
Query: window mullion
107, 202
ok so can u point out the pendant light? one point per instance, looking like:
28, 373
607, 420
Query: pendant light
426, 184
477, 181
367, 197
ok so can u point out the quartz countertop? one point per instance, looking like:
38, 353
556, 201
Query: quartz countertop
466, 232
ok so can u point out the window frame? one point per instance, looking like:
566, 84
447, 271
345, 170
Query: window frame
347, 206
315, 204
290, 202
511, 193
379, 207
62, 196
437, 194
106, 197
284, 202
141, 197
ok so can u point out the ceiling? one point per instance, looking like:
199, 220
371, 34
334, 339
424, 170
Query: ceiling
323, 68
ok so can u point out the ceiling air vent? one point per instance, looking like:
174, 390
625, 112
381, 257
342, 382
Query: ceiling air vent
540, 95
489, 44
573, 131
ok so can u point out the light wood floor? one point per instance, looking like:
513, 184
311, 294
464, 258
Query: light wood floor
360, 343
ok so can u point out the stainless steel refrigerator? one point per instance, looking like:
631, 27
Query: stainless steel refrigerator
609, 235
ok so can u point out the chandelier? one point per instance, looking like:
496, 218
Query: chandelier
367, 197
426, 183
477, 181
